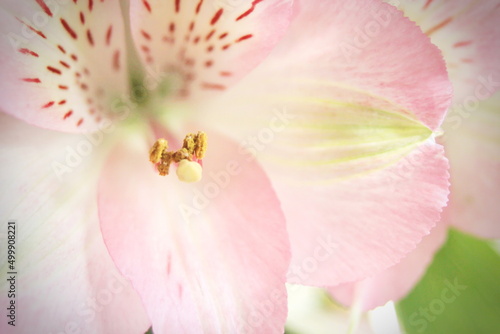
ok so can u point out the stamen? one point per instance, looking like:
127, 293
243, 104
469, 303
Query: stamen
155, 153
187, 158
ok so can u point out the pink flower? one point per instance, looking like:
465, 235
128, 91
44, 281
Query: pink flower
467, 33
321, 167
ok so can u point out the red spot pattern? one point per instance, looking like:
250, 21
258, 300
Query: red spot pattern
198, 7
427, 4
54, 70
108, 35
94, 36
68, 114
90, 38
250, 11
44, 6
147, 5
217, 16
439, 26
242, 38
69, 30
461, 44
28, 52
34, 80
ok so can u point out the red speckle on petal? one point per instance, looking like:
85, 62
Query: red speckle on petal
242, 38
82, 18
80, 122
68, 114
62, 87
217, 16
210, 48
439, 26
225, 47
48, 105
225, 74
427, 4
28, 52
224, 35
38, 32
90, 38
147, 5
64, 64
209, 63
74, 57
54, 70
91, 5
68, 29
146, 35
34, 80
108, 35
461, 44
172, 27
248, 12
44, 6
198, 7
62, 49
210, 34
62, 102
177, 5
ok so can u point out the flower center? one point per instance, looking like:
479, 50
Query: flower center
188, 158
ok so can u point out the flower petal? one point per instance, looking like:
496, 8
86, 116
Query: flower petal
66, 281
397, 281
205, 257
347, 138
61, 64
467, 33
198, 48
473, 146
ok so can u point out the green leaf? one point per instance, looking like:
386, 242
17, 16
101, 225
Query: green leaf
460, 292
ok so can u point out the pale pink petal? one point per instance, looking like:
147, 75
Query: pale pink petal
196, 48
206, 257
473, 147
467, 33
347, 137
62, 63
65, 281
397, 281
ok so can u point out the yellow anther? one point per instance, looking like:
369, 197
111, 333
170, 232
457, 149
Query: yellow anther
164, 165
155, 153
201, 144
189, 171
189, 143
181, 155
